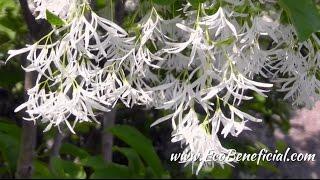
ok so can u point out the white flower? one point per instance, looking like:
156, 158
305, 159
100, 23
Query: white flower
219, 24
60, 8
198, 140
202, 58
71, 83
196, 41
296, 71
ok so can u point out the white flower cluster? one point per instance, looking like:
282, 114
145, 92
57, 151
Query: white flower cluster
209, 58
61, 8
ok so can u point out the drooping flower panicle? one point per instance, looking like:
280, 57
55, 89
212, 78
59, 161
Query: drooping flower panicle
204, 59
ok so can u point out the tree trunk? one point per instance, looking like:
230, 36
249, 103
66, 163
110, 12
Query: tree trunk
115, 12
28, 139
107, 138
29, 130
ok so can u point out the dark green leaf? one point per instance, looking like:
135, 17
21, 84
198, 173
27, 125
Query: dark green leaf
41, 171
11, 129
135, 163
9, 148
100, 4
140, 144
73, 150
112, 171
222, 173
304, 16
66, 169
95, 162
10, 143
83, 127
195, 3
164, 2
10, 75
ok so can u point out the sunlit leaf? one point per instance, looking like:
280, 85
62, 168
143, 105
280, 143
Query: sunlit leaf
54, 19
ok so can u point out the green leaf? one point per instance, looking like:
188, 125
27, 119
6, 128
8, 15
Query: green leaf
134, 162
112, 170
100, 4
164, 2
5, 5
304, 15
66, 169
83, 128
10, 129
10, 143
54, 19
195, 3
73, 150
9, 148
141, 145
9, 32
10, 75
95, 162
222, 173
281, 146
41, 171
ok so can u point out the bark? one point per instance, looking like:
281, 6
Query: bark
37, 28
107, 138
57, 144
109, 118
119, 12
29, 130
28, 140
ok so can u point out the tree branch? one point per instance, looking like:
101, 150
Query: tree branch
57, 143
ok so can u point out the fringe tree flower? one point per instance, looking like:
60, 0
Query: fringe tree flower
71, 77
61, 8
200, 66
